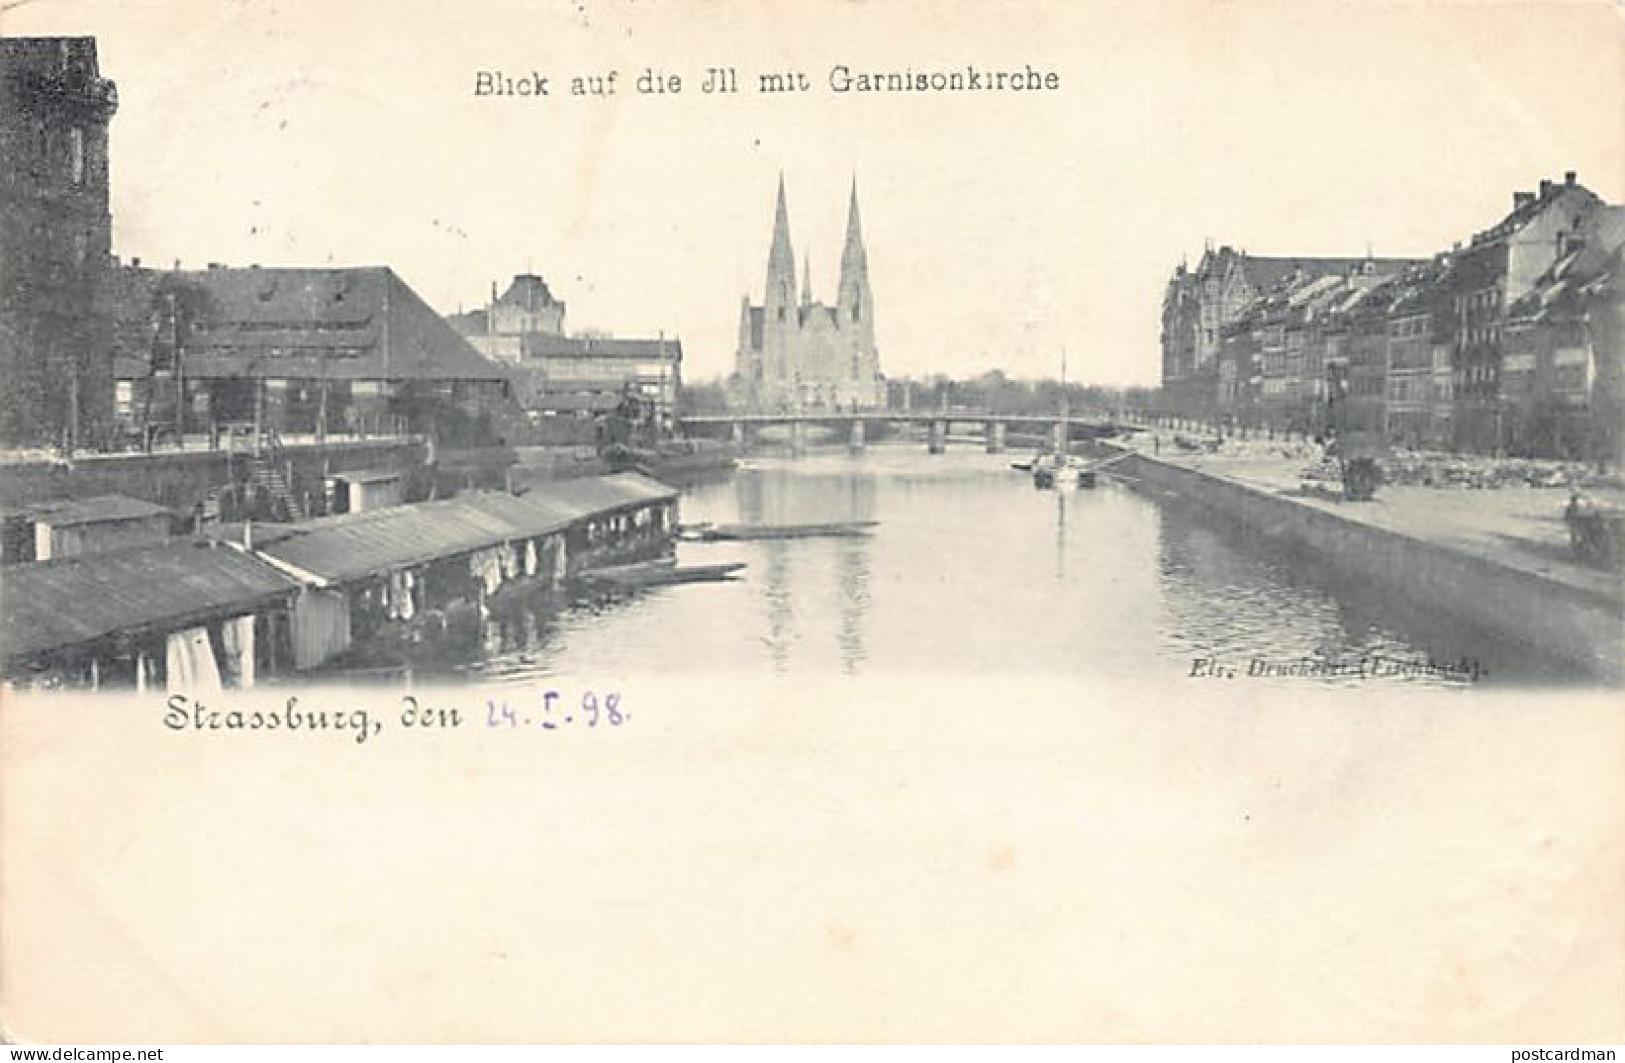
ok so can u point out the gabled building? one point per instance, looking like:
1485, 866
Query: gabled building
1494, 272
1560, 361
296, 350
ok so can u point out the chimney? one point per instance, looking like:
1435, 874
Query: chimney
135, 263
1545, 188
1568, 178
1521, 200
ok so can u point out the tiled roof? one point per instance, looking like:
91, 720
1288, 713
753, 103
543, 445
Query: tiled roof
1266, 273
1568, 278
358, 323
1527, 209
52, 604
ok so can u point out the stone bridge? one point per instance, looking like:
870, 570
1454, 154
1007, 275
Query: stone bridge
993, 427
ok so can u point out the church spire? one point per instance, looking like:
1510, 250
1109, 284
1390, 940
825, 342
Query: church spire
854, 290
853, 256
781, 260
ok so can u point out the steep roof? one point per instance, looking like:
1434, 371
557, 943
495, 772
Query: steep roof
1560, 288
355, 323
528, 291
1528, 205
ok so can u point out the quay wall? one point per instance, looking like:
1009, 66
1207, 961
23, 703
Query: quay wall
182, 479
1579, 626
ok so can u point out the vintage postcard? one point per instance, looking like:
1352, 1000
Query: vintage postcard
817, 521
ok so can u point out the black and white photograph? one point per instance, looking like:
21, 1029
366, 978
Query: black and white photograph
820, 521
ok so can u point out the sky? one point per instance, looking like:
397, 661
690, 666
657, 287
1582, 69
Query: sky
1002, 228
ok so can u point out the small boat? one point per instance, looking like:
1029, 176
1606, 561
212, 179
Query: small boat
720, 532
1062, 472
662, 573
1060, 469
1055, 472
1022, 466
657, 564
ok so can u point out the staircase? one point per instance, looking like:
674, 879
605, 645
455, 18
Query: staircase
266, 472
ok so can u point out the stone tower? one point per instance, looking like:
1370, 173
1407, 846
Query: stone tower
804, 355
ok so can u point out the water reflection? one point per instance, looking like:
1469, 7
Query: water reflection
970, 569
1233, 598
853, 569
776, 600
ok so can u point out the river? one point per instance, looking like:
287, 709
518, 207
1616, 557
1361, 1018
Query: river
970, 569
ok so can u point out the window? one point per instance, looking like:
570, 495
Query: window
76, 155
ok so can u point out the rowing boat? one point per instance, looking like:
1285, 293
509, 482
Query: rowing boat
723, 532
662, 573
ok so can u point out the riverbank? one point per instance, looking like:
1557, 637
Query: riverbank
1500, 559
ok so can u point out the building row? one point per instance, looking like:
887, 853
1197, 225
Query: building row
1509, 343
95, 353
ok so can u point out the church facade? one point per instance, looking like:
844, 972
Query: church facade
799, 354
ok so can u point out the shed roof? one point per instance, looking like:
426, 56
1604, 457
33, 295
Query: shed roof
368, 476
99, 509
353, 546
49, 605
601, 494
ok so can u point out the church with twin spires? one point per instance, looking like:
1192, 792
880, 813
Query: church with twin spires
798, 354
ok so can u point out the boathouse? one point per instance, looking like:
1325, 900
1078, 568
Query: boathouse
199, 616
196, 616
413, 571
